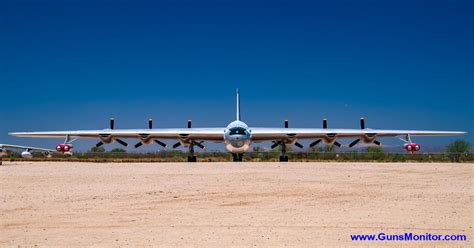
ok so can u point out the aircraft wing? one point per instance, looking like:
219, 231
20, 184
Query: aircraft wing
211, 134
217, 134
8, 147
262, 134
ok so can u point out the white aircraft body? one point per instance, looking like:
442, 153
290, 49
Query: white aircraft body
238, 136
4, 148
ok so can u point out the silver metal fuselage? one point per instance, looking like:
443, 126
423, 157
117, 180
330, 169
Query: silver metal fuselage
237, 137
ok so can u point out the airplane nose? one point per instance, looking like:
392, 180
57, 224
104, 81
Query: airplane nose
238, 143
238, 140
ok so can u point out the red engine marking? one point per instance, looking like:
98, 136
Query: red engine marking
412, 147
63, 148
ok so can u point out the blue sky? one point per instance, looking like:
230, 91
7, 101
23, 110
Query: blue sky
73, 64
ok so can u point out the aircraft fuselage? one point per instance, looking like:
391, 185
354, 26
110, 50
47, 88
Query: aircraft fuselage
237, 137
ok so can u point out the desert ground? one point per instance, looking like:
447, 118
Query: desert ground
232, 204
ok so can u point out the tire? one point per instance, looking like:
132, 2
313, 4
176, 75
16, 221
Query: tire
283, 158
192, 159
237, 157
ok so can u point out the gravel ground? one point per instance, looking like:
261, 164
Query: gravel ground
232, 204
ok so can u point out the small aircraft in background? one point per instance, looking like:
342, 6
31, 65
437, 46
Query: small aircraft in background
237, 136
27, 150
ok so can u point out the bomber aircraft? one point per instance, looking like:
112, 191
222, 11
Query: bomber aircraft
237, 136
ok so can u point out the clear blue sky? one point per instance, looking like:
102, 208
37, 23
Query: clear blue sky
73, 64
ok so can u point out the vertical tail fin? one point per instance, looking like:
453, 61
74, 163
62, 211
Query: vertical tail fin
238, 105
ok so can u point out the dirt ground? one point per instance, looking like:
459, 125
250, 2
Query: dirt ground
232, 204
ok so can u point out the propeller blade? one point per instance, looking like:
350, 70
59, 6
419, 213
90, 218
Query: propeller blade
161, 143
112, 123
325, 123
189, 123
275, 144
299, 145
314, 143
121, 142
286, 123
99, 144
354, 142
377, 142
176, 145
199, 144
337, 144
362, 123
150, 123
138, 144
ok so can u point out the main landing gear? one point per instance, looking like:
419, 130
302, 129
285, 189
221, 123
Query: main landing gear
237, 157
282, 144
191, 157
283, 158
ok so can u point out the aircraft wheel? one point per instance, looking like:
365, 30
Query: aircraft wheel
283, 158
237, 157
192, 159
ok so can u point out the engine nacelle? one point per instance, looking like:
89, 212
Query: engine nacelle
107, 139
329, 140
64, 148
145, 138
368, 138
412, 147
26, 154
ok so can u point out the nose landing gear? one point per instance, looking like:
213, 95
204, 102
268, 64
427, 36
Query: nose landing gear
237, 157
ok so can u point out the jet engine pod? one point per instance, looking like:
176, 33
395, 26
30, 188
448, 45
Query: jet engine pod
63, 148
26, 154
412, 147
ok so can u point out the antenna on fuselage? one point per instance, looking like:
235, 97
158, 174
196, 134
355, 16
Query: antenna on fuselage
238, 105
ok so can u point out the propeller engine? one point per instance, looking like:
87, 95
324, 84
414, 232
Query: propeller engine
106, 138
290, 141
147, 139
185, 141
368, 138
329, 139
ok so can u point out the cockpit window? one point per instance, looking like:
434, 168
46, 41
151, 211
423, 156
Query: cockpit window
237, 130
